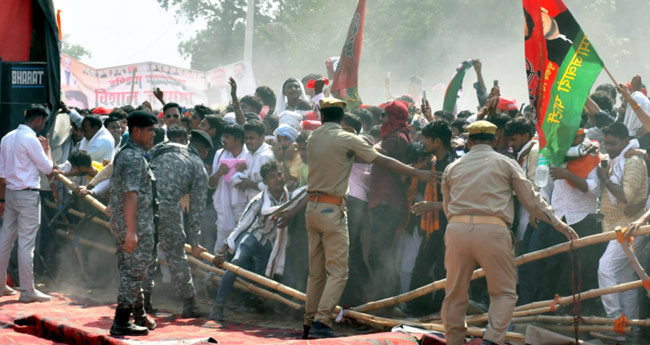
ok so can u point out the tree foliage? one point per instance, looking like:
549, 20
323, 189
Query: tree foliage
73, 50
406, 37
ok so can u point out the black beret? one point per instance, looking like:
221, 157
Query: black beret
199, 135
141, 118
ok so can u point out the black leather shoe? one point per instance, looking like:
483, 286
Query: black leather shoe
488, 342
121, 323
140, 316
319, 330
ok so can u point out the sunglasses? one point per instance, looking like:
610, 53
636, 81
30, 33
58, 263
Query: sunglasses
169, 116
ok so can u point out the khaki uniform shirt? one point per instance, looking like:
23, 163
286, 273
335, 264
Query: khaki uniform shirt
635, 185
332, 151
482, 183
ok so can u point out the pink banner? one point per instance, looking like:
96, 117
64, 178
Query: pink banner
87, 87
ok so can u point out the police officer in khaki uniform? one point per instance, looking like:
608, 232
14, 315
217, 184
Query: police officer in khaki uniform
478, 201
332, 151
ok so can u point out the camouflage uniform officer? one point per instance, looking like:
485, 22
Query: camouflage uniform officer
131, 218
179, 170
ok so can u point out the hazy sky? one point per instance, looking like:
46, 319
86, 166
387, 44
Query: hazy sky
119, 32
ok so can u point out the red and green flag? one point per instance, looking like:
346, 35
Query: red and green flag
455, 87
345, 85
561, 66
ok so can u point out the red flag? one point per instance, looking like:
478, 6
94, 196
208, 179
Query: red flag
346, 78
535, 46
561, 66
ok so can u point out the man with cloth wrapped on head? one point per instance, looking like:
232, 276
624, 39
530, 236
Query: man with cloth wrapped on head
477, 194
333, 150
286, 152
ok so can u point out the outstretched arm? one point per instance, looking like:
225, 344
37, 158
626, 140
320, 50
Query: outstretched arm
400, 168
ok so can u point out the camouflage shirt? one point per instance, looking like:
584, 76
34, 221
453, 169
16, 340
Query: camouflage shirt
131, 173
179, 170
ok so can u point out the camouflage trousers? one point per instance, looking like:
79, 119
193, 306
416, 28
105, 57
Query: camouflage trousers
133, 268
171, 239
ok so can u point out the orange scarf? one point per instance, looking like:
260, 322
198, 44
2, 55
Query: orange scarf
429, 221
582, 166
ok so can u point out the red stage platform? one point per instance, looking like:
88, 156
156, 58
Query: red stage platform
67, 321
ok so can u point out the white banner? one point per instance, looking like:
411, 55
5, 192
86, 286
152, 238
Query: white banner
87, 87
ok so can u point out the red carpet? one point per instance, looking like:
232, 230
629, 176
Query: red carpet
65, 321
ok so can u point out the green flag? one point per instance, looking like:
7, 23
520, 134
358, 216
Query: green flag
570, 68
455, 87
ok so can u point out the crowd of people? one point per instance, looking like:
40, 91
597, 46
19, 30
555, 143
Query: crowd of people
351, 205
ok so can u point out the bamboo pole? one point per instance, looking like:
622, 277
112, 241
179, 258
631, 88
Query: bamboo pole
586, 295
254, 289
80, 214
88, 198
370, 320
250, 287
389, 323
569, 319
559, 248
206, 256
565, 301
587, 328
272, 284
240, 284
89, 243
634, 261
610, 75
520, 260
205, 266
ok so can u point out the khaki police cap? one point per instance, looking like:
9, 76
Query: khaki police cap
481, 127
325, 103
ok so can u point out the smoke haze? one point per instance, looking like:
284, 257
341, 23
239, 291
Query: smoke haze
491, 31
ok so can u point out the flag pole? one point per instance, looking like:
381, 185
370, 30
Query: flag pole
610, 75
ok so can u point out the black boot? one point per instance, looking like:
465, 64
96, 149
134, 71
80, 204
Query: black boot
191, 310
217, 313
147, 304
140, 316
319, 330
305, 331
121, 323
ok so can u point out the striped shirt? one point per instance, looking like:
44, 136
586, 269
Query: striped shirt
635, 185
253, 222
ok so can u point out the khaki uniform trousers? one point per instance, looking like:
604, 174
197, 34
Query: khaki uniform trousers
491, 247
327, 230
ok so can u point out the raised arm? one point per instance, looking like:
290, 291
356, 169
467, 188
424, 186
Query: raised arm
239, 114
640, 113
481, 90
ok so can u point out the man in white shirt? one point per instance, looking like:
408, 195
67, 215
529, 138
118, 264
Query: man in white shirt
631, 121
260, 153
229, 201
114, 126
22, 156
574, 198
520, 133
97, 141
